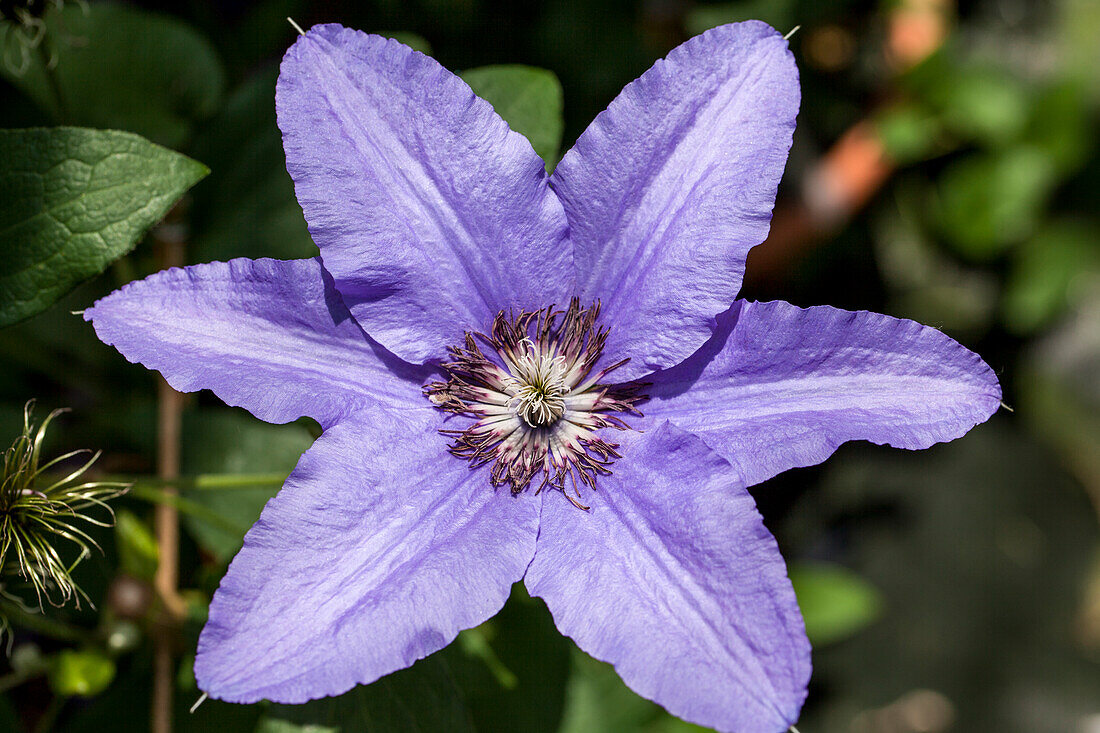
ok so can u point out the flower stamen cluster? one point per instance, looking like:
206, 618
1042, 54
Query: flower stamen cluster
37, 512
537, 401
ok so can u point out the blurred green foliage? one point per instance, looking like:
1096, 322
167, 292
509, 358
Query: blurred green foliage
835, 602
950, 583
117, 67
82, 673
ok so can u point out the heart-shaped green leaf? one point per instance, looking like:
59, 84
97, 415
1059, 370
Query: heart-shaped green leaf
74, 200
530, 101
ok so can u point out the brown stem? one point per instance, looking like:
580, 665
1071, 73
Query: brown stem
169, 245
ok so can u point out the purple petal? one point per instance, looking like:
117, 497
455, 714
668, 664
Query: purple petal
429, 212
670, 187
379, 549
673, 578
270, 336
780, 386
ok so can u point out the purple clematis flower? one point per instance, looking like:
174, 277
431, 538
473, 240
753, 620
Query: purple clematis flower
478, 341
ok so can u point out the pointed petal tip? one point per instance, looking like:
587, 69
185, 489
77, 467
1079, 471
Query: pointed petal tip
672, 185
431, 214
379, 549
781, 386
687, 596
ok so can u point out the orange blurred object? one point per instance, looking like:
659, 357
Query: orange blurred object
843, 180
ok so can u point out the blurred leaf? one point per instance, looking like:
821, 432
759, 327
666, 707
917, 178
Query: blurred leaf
1078, 29
420, 699
412, 40
475, 642
123, 707
73, 200
121, 67
83, 673
926, 283
778, 14
269, 725
1044, 270
909, 132
835, 602
985, 104
223, 441
979, 548
529, 100
987, 202
247, 207
137, 548
1061, 125
513, 669
597, 701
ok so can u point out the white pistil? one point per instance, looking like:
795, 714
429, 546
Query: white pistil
536, 398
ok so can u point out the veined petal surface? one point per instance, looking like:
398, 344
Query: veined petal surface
429, 212
670, 187
780, 386
672, 577
379, 549
271, 336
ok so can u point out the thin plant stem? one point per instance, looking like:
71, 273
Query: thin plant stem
13, 679
204, 481
41, 624
166, 581
157, 495
215, 481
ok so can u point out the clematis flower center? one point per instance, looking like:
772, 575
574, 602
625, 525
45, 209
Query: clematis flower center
536, 402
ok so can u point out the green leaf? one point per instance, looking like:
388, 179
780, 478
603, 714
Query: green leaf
420, 699
985, 104
226, 442
835, 602
514, 668
909, 132
120, 67
1061, 125
597, 701
1044, 271
530, 101
83, 673
990, 201
271, 725
71, 202
137, 548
